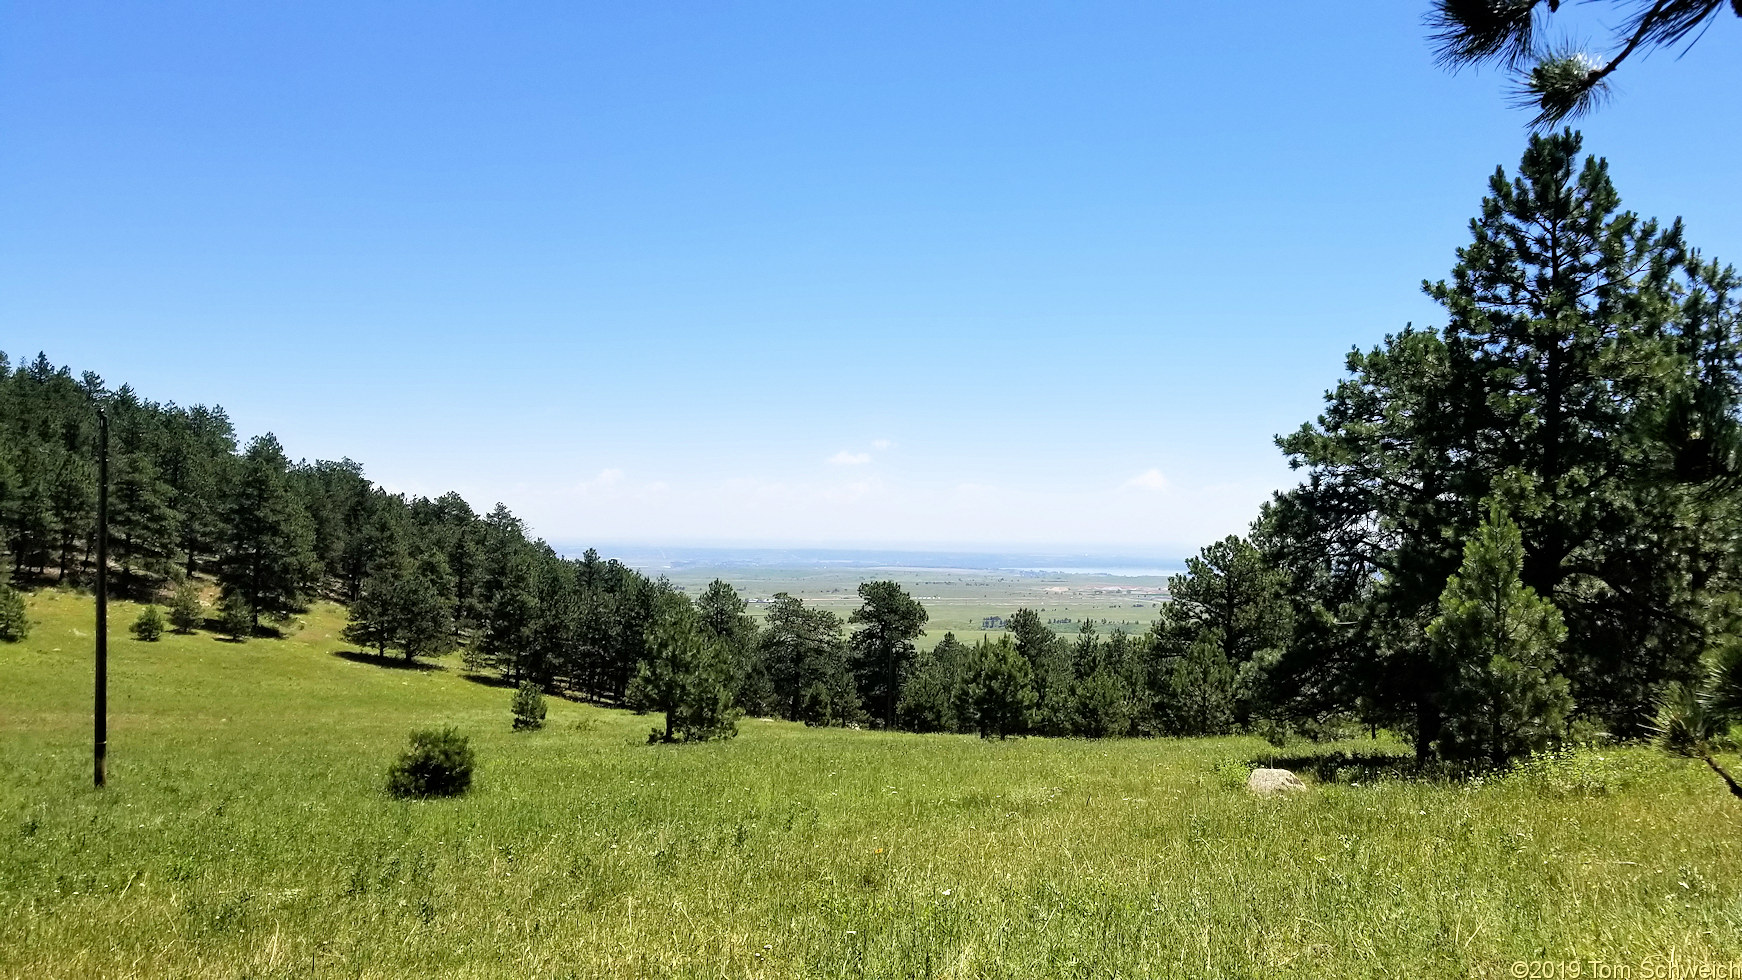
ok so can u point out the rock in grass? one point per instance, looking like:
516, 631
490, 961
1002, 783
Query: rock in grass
1269, 782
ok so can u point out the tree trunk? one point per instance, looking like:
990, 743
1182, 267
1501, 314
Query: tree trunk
1735, 790
1427, 723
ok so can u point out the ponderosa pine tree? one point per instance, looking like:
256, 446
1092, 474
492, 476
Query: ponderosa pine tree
1001, 692
888, 621
1101, 703
1588, 379
371, 614
805, 655
510, 615
449, 522
426, 607
142, 524
1495, 650
1559, 80
1197, 693
198, 452
687, 678
1230, 588
269, 557
72, 504
721, 616
186, 612
1050, 671
148, 627
930, 698
235, 618
330, 493
528, 707
14, 624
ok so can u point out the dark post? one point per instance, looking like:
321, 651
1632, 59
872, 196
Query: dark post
102, 709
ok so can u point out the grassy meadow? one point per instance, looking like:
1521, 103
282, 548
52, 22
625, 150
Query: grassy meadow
246, 833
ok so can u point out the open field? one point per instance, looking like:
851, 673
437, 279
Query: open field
246, 833
958, 600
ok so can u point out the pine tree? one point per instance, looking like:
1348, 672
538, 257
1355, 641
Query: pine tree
1002, 690
687, 678
424, 605
372, 619
14, 624
148, 627
1494, 644
510, 615
805, 656
529, 707
721, 615
889, 619
1230, 588
1560, 80
235, 617
1050, 671
72, 506
141, 521
405, 605
1103, 705
1588, 376
186, 612
929, 699
1198, 693
269, 557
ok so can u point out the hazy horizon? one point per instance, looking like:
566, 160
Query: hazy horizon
1061, 560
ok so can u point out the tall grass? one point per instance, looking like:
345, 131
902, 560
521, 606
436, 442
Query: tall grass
247, 831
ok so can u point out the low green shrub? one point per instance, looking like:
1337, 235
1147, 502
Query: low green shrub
439, 763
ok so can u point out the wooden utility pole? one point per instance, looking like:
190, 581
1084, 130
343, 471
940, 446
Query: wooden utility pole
102, 706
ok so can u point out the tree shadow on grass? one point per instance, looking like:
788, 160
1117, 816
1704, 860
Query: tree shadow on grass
390, 662
264, 631
492, 680
560, 693
1343, 766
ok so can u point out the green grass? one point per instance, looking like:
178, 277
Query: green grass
246, 832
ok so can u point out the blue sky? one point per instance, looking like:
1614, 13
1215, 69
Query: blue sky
890, 274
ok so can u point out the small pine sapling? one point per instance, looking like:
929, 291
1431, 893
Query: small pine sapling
149, 626
438, 763
186, 612
14, 625
236, 618
529, 708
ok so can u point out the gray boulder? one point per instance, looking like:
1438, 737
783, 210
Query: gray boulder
1269, 782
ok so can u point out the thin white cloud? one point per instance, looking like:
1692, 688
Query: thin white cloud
606, 478
844, 458
1150, 479
881, 444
